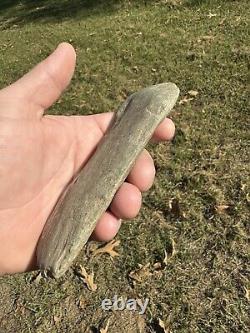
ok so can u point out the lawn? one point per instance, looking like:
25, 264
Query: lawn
188, 250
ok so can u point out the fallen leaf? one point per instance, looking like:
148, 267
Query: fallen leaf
163, 326
108, 248
193, 93
168, 256
210, 15
221, 208
205, 38
81, 303
222, 21
165, 260
157, 265
88, 279
176, 209
105, 330
56, 319
185, 100
141, 273
38, 278
173, 252
172, 2
135, 69
247, 294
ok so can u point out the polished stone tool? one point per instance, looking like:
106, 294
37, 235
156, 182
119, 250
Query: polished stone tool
90, 193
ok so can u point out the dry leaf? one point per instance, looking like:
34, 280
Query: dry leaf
105, 330
157, 265
135, 69
56, 319
176, 209
185, 100
108, 248
168, 256
173, 252
193, 93
222, 21
88, 279
172, 2
141, 273
81, 302
247, 294
38, 278
221, 208
205, 38
165, 260
210, 15
163, 326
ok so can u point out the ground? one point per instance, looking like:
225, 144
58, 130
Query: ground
187, 250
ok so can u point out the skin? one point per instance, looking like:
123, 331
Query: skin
40, 153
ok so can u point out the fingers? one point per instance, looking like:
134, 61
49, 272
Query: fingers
107, 227
43, 85
143, 172
125, 205
165, 131
127, 201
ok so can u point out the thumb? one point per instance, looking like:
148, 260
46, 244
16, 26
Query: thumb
43, 85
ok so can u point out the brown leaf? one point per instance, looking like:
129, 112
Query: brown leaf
88, 279
108, 248
135, 69
185, 100
222, 208
56, 319
141, 273
247, 294
168, 256
163, 326
173, 252
205, 39
222, 21
157, 265
38, 278
210, 15
105, 330
193, 93
165, 260
81, 302
176, 209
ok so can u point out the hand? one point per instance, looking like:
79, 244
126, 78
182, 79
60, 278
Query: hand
39, 154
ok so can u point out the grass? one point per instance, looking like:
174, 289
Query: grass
198, 208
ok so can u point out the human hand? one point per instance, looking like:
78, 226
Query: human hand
39, 154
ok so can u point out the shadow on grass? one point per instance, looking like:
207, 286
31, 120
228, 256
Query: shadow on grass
20, 12
195, 3
14, 12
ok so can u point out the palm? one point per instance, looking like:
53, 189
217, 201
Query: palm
40, 154
39, 158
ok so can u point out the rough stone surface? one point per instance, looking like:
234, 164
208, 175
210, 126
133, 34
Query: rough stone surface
90, 193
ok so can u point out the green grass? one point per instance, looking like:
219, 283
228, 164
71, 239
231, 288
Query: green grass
121, 47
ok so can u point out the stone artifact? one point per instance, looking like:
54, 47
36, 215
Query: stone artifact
90, 193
